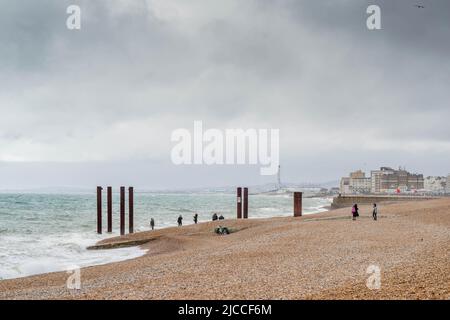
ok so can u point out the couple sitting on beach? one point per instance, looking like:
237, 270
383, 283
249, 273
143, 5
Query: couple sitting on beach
215, 217
355, 211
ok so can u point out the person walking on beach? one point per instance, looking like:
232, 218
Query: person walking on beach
152, 223
355, 212
375, 212
180, 220
195, 218
214, 217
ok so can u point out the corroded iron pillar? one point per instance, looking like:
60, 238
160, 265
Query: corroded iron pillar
245, 203
298, 204
109, 202
122, 211
99, 210
239, 203
131, 209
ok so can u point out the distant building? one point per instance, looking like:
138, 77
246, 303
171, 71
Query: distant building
388, 180
344, 186
447, 185
435, 184
359, 183
376, 176
334, 190
385, 180
356, 183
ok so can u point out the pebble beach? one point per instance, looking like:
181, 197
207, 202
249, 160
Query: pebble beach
320, 256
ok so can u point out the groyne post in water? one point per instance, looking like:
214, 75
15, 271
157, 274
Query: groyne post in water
298, 204
99, 210
245, 203
122, 211
109, 202
239, 203
130, 209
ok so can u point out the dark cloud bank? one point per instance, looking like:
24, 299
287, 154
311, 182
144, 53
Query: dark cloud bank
97, 106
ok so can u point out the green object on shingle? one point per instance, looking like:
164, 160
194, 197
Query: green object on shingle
222, 230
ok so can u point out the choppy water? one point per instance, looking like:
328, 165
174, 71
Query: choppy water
50, 232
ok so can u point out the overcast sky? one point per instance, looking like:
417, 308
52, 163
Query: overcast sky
98, 105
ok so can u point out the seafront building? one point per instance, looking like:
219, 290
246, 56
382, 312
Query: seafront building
356, 183
447, 186
388, 180
435, 184
384, 180
344, 186
359, 183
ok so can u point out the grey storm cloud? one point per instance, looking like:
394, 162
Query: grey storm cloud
115, 90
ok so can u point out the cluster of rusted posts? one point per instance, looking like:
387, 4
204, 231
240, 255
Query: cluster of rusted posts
122, 209
242, 203
241, 209
298, 204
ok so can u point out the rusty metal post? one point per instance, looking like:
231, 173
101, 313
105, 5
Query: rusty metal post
245, 203
99, 210
122, 211
298, 204
239, 203
109, 205
131, 209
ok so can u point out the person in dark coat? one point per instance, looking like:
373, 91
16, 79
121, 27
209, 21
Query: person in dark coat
375, 212
196, 218
355, 212
215, 217
180, 220
152, 223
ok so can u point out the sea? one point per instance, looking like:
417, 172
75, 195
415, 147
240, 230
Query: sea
47, 232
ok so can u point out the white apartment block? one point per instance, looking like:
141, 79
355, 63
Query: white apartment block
447, 186
435, 184
356, 183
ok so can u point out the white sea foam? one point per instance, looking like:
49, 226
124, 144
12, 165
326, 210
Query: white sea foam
27, 256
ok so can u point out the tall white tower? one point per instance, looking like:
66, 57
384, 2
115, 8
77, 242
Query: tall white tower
279, 178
